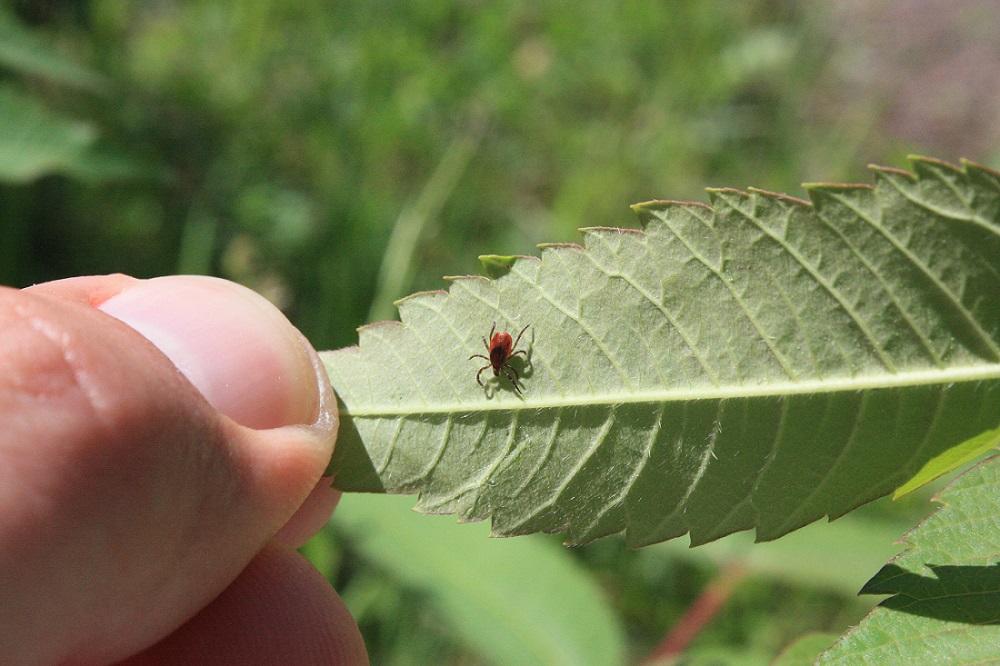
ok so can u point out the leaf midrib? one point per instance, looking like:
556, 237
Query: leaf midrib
951, 375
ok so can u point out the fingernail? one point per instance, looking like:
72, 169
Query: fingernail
236, 348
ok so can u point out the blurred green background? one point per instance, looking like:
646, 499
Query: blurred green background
336, 156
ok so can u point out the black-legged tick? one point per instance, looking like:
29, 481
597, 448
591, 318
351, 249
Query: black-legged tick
501, 349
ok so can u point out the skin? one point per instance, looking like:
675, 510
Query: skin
161, 458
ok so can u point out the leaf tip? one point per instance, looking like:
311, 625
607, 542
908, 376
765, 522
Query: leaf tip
780, 196
375, 325
429, 294
969, 165
418, 299
920, 161
497, 265
460, 278
819, 192
619, 231
719, 191
648, 210
376, 328
560, 246
830, 185
880, 170
329, 358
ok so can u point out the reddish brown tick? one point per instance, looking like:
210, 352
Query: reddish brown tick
501, 349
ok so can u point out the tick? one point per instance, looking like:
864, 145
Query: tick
501, 349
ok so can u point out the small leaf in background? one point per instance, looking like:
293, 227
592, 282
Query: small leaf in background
949, 460
496, 265
35, 141
516, 601
945, 603
24, 52
759, 362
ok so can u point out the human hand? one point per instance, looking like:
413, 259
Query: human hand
154, 484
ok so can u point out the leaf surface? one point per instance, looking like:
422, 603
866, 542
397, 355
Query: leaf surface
945, 603
759, 362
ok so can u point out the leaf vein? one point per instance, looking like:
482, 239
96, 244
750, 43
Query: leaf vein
571, 474
392, 446
830, 289
786, 366
885, 284
583, 327
663, 310
942, 288
634, 476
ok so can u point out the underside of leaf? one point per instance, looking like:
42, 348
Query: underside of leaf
759, 362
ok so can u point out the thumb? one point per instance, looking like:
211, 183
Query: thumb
147, 459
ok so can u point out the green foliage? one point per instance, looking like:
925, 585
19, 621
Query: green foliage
495, 265
350, 109
507, 599
23, 51
951, 459
34, 141
283, 144
945, 603
757, 363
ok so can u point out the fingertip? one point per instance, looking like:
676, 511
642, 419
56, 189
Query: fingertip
280, 610
155, 499
238, 349
312, 516
87, 289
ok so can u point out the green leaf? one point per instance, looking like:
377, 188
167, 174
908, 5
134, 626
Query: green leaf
760, 362
945, 607
34, 141
949, 460
507, 598
22, 51
497, 265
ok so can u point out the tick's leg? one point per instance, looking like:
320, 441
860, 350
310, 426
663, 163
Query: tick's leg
486, 358
486, 340
514, 378
520, 334
479, 374
520, 351
513, 384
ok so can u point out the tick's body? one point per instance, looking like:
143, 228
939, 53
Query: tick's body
501, 348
